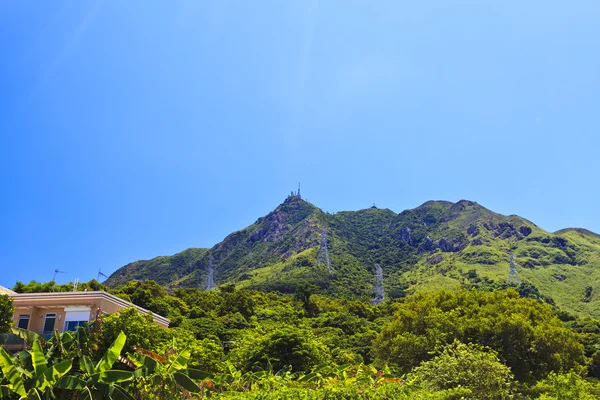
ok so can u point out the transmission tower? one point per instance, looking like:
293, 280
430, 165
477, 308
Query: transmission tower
379, 296
299, 190
210, 282
323, 256
513, 277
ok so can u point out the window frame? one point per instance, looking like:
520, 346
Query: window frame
23, 317
52, 315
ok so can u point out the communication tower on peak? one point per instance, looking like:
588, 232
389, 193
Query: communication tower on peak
299, 190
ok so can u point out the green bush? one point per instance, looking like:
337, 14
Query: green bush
468, 366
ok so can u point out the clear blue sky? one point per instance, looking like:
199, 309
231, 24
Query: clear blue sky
131, 129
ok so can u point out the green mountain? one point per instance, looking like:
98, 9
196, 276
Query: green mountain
436, 245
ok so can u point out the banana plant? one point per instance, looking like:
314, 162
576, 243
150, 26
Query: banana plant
37, 374
29, 376
99, 380
165, 375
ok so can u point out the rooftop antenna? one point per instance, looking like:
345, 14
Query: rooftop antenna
75, 284
56, 271
101, 274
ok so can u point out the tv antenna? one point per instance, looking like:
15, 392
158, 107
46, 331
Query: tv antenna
56, 271
101, 274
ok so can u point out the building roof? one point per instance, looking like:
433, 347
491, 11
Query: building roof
4, 290
75, 298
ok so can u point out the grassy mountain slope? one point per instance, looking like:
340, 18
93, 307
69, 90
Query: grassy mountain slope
438, 244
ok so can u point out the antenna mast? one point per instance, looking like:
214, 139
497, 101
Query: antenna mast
56, 271
299, 190
101, 274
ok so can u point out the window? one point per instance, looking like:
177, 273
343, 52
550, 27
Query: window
23, 322
76, 316
72, 325
49, 323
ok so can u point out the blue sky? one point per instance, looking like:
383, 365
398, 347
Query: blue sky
133, 129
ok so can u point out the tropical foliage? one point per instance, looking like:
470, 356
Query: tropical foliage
244, 344
6, 313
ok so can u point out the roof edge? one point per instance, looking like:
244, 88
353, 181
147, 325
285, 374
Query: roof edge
4, 290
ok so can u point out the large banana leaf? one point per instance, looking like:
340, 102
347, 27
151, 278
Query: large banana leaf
26, 363
28, 336
180, 362
71, 382
150, 364
102, 391
86, 365
33, 394
51, 375
112, 376
6, 392
196, 374
118, 393
185, 382
38, 359
11, 373
112, 354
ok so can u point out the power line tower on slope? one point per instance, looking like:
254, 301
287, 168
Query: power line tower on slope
379, 289
513, 277
323, 256
210, 282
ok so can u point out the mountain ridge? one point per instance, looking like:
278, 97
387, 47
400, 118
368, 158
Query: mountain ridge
437, 244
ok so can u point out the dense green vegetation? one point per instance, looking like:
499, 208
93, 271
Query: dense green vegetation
6, 313
439, 245
246, 344
281, 325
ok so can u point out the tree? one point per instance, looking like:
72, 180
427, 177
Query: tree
468, 366
6, 313
140, 329
527, 335
569, 385
285, 347
303, 293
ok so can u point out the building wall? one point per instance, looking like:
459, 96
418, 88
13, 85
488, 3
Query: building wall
38, 305
36, 324
108, 307
38, 317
